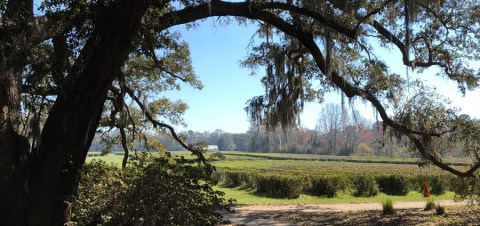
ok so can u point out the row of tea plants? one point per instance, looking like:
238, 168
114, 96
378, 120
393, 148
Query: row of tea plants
359, 184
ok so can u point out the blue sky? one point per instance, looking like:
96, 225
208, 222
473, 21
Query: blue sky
216, 51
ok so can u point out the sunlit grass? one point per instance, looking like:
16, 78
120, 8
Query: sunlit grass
109, 158
249, 197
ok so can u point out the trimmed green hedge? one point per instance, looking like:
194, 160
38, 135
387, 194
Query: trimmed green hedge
328, 186
364, 186
287, 184
280, 186
394, 184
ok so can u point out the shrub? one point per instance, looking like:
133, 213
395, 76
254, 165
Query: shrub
328, 186
465, 187
438, 184
239, 179
161, 191
393, 184
365, 186
233, 179
100, 183
387, 207
280, 186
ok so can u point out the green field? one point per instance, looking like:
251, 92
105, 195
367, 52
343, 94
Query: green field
255, 178
249, 197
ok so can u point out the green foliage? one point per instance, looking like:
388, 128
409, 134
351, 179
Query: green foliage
153, 191
240, 179
330, 175
466, 188
328, 186
100, 184
438, 183
394, 184
365, 185
387, 207
277, 186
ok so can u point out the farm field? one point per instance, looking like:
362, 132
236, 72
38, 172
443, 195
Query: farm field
283, 179
253, 178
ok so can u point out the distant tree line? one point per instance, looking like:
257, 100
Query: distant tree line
339, 131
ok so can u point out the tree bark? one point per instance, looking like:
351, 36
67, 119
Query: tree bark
13, 152
13, 147
73, 119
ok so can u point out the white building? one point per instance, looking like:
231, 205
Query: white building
212, 148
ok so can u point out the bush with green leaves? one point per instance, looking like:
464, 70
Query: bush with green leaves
364, 185
277, 186
151, 191
239, 179
438, 184
466, 188
99, 188
394, 184
328, 186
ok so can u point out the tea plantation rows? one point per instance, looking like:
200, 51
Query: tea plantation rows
281, 177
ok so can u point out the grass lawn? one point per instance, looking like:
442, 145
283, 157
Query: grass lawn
109, 158
246, 197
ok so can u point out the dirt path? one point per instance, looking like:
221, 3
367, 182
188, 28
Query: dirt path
259, 214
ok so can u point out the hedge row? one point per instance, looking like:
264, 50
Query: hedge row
360, 185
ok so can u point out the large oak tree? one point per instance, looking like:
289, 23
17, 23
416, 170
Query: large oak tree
84, 57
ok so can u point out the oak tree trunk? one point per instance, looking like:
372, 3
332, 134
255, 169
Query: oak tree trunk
36, 188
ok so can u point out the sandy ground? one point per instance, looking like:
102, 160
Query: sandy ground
343, 207
258, 214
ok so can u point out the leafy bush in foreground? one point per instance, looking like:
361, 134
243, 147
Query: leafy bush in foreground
160, 191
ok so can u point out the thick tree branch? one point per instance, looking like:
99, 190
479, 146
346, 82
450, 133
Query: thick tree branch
248, 9
319, 17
